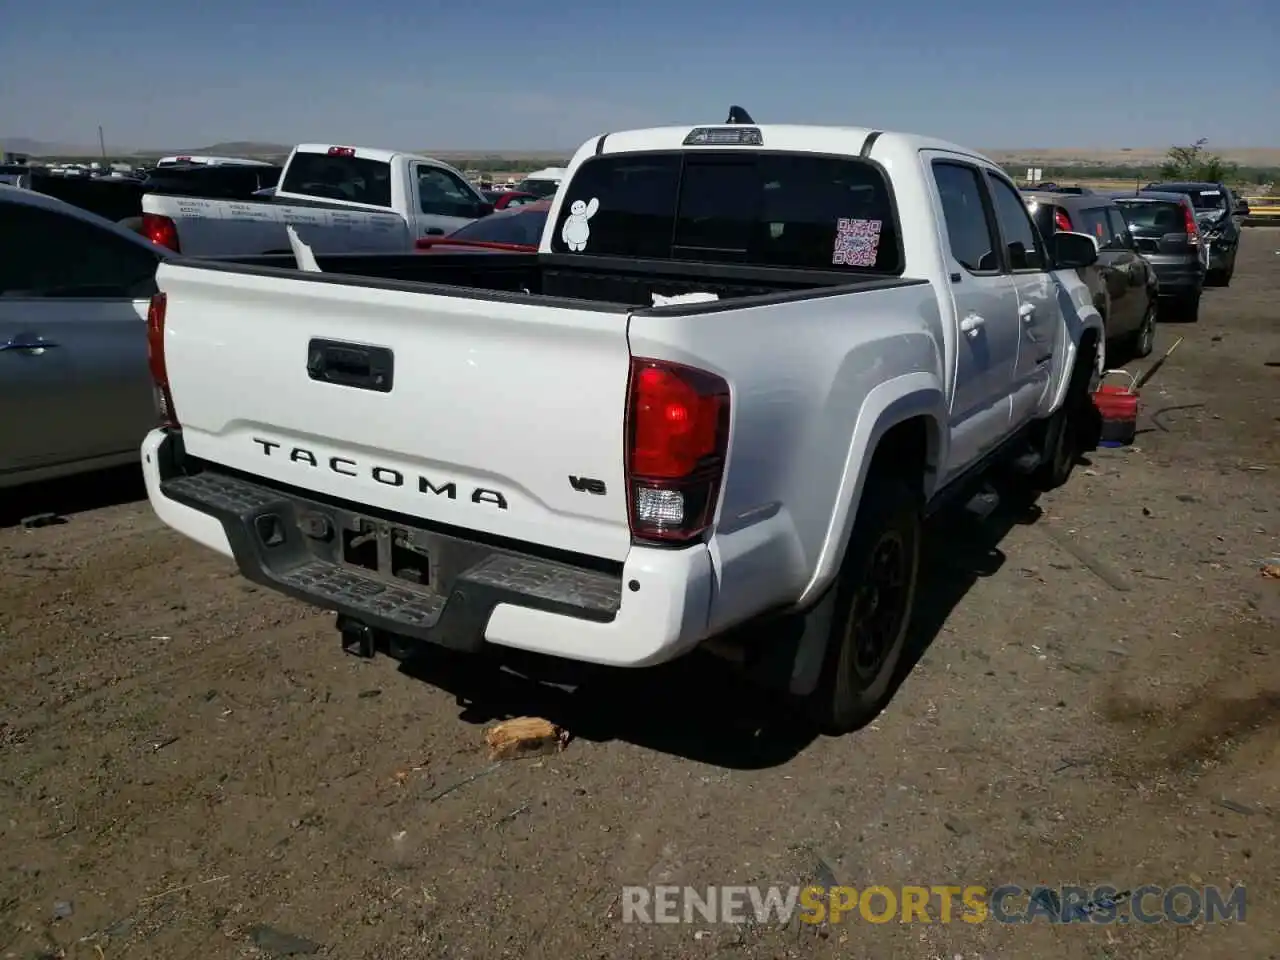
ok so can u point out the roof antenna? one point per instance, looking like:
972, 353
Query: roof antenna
738, 115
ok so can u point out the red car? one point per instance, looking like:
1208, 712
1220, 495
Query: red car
516, 230
504, 199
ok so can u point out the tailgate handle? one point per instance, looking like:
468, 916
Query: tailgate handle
350, 365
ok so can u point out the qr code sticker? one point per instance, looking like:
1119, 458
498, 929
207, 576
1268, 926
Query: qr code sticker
857, 243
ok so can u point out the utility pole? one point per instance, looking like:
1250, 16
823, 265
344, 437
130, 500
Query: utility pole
102, 144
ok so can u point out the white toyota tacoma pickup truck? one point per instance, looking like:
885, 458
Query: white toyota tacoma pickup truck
338, 199
744, 365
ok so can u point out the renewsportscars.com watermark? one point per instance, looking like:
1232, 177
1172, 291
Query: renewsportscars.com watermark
1181, 904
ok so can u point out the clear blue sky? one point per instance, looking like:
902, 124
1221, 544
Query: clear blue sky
499, 74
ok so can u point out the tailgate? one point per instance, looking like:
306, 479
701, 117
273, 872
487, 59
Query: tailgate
493, 408
1168, 244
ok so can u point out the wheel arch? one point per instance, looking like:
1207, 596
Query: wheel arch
901, 422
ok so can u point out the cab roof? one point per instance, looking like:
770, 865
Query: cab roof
847, 141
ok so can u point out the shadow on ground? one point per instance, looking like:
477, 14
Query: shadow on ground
701, 707
57, 501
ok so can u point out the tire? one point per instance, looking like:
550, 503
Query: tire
1143, 341
1066, 436
881, 565
1189, 308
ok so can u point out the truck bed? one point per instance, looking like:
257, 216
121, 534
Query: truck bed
585, 282
463, 389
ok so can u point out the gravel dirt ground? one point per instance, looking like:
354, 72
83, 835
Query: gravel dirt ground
191, 767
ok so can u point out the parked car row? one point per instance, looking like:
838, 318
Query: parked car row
339, 199
1217, 212
1158, 248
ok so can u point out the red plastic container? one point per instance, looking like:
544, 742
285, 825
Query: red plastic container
1118, 407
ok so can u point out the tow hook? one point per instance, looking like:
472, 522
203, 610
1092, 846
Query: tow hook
358, 639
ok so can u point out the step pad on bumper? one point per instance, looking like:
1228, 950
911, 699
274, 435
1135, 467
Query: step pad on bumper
356, 591
298, 550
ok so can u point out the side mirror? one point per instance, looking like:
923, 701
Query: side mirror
1074, 250
483, 210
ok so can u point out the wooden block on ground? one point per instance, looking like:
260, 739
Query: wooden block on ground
525, 737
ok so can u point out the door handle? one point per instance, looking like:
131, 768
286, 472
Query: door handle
972, 324
351, 365
1026, 311
433, 232
27, 345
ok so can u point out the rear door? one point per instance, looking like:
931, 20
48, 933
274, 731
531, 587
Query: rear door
985, 303
1038, 312
1119, 269
74, 383
1135, 271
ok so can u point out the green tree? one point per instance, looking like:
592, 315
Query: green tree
1196, 163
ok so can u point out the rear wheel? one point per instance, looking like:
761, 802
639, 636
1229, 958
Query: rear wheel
1189, 308
1067, 434
1143, 340
1181, 309
873, 598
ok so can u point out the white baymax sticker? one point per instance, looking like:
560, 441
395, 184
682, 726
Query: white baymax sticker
577, 226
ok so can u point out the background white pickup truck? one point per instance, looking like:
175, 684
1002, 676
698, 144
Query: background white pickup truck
524, 451
338, 199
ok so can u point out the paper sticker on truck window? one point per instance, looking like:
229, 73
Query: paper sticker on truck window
857, 243
577, 226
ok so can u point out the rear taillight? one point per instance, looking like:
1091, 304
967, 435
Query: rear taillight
168, 417
1061, 221
677, 438
1192, 228
160, 230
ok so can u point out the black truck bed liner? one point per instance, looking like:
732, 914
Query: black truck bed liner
599, 283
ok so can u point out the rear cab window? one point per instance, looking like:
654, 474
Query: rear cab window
786, 210
339, 176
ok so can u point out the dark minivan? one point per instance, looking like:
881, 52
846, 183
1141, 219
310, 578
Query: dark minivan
1215, 210
1165, 232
